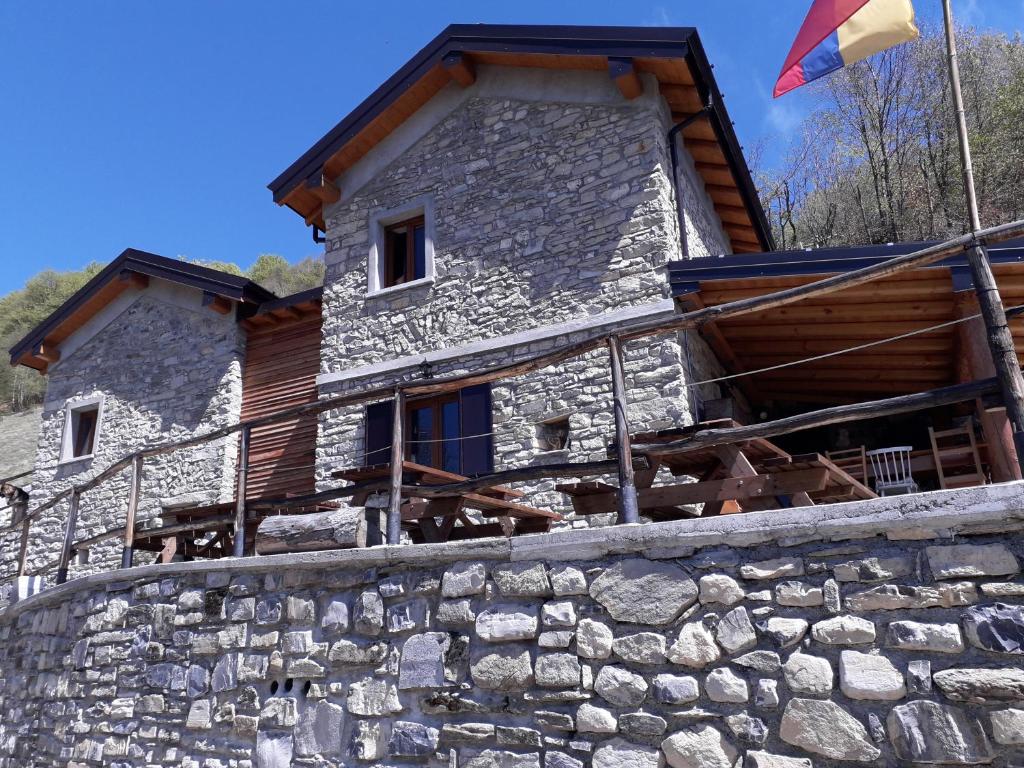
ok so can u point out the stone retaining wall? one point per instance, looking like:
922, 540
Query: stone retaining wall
888, 632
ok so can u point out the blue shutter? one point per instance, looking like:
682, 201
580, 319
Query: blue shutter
378, 433
477, 452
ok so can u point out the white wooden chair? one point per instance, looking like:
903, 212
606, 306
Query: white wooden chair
892, 470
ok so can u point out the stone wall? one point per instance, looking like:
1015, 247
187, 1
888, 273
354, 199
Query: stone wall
166, 368
885, 632
551, 201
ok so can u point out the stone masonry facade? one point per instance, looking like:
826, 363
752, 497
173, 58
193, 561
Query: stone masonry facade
874, 637
544, 212
166, 370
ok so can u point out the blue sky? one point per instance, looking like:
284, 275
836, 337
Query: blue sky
158, 125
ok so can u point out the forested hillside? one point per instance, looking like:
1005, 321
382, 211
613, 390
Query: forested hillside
23, 309
877, 160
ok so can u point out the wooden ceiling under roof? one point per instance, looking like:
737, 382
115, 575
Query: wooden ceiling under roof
683, 77
900, 304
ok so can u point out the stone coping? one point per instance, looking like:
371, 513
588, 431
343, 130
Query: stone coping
938, 514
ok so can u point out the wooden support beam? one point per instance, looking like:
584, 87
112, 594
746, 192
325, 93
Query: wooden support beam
460, 68
48, 352
133, 504
334, 529
681, 99
394, 531
133, 279
622, 71
840, 414
327, 192
241, 484
217, 303
69, 536
627, 500
754, 486
973, 361
712, 334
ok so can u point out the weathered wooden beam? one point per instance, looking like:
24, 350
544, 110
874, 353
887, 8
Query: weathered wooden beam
460, 68
682, 99
394, 528
133, 279
334, 529
48, 352
69, 537
327, 192
627, 499
241, 487
758, 486
872, 409
219, 304
624, 74
133, 504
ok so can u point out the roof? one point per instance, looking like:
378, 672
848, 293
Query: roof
918, 305
131, 268
674, 55
686, 275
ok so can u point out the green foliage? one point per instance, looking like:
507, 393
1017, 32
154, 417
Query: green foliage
878, 160
22, 310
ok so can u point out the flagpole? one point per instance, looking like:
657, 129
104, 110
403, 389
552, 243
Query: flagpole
1000, 340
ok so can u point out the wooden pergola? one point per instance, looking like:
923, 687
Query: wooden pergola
909, 303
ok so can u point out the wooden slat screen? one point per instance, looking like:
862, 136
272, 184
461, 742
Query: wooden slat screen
281, 365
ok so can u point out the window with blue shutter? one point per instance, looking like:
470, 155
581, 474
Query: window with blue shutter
451, 432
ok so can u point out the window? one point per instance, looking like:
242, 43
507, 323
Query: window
553, 435
81, 429
401, 247
405, 252
451, 432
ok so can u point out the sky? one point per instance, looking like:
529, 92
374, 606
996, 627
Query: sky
158, 125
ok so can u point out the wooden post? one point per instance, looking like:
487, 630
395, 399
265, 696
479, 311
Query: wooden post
69, 538
133, 504
23, 547
628, 508
397, 457
973, 363
1000, 340
240, 491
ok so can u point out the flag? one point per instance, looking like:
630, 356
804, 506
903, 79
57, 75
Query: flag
840, 32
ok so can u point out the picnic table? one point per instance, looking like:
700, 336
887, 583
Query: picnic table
431, 518
751, 475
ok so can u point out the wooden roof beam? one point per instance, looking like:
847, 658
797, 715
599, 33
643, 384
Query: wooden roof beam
712, 334
133, 279
218, 304
681, 98
326, 191
47, 352
624, 74
460, 68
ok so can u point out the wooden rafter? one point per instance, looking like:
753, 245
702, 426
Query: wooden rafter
622, 71
460, 68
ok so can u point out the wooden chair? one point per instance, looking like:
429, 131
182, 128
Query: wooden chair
957, 461
853, 461
891, 468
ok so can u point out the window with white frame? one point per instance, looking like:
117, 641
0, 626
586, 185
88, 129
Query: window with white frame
81, 429
401, 247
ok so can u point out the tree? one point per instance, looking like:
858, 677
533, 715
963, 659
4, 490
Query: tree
877, 160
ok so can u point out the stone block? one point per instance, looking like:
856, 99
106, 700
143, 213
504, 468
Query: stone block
965, 561
844, 630
998, 628
929, 732
522, 579
723, 685
506, 621
772, 569
620, 687
699, 746
464, 579
824, 728
695, 647
918, 636
641, 648
870, 676
641, 591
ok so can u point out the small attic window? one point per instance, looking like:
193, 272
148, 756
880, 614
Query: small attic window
553, 434
81, 429
401, 248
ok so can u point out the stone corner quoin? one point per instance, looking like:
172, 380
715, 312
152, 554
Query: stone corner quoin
865, 649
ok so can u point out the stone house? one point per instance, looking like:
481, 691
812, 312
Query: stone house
508, 189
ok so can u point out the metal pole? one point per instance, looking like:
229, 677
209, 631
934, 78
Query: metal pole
628, 506
133, 504
69, 538
240, 490
1000, 340
397, 457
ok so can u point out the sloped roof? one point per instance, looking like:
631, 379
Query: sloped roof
131, 268
674, 55
19, 435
